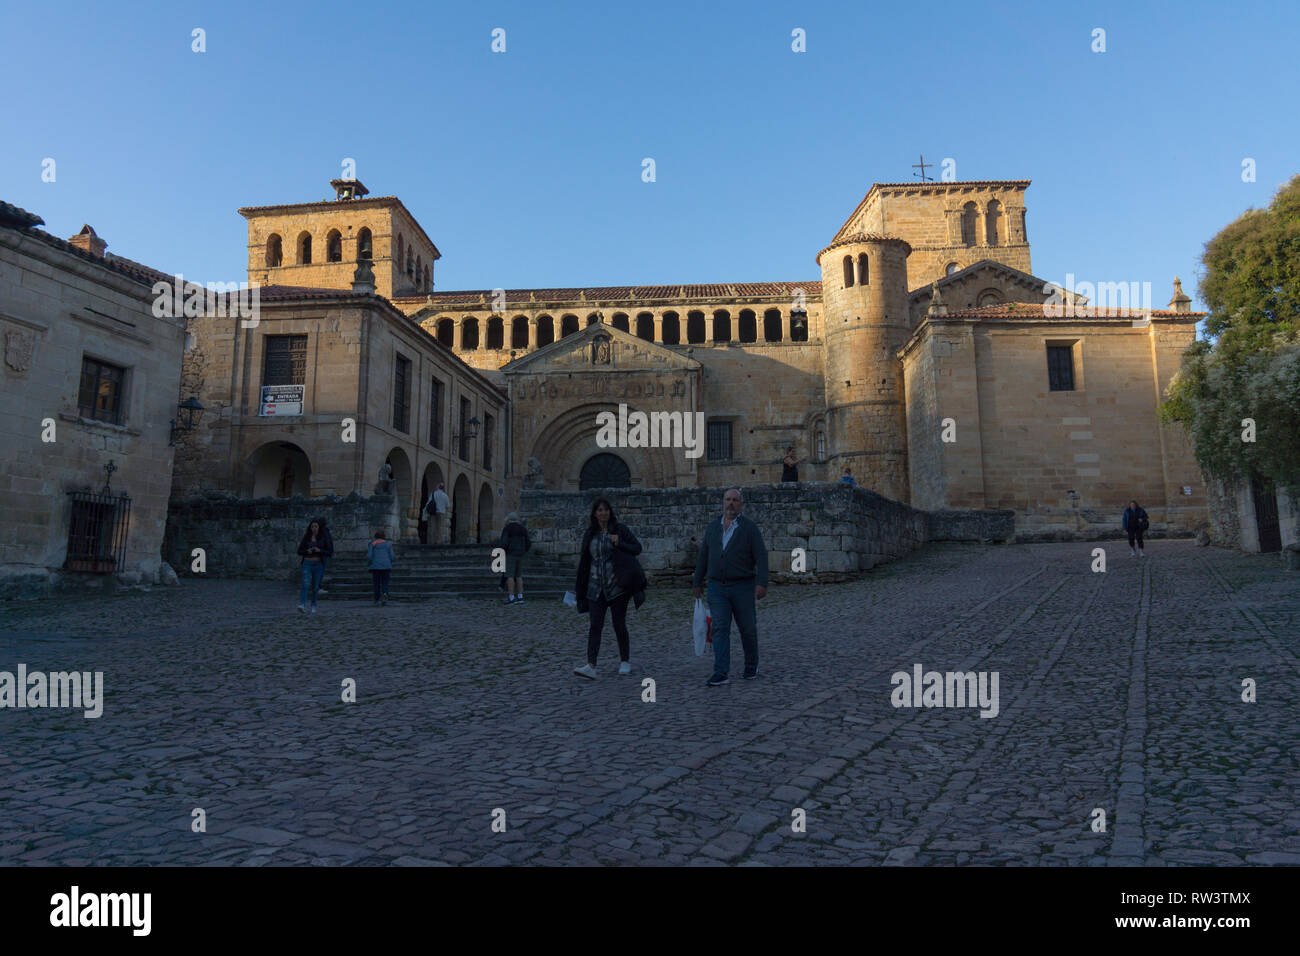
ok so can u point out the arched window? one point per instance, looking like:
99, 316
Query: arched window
748, 331
989, 297
469, 333
848, 272
950, 268
798, 326
968, 214
304, 248
864, 270
274, 252
334, 246
568, 325
672, 329
496, 333
991, 222
519, 332
620, 321
365, 245
545, 330
419, 272
593, 319
1024, 225
447, 332
401, 253
410, 266
721, 326
694, 327
772, 325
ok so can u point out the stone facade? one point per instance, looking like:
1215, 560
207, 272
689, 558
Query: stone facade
354, 353
1067, 461
64, 305
822, 365
842, 529
244, 537
1235, 524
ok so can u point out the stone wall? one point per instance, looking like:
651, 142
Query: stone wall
259, 537
842, 529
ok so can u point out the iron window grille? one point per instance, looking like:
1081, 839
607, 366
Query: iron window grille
402, 395
285, 362
719, 444
97, 532
1060, 368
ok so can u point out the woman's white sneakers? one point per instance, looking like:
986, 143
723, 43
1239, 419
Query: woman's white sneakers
625, 667
586, 670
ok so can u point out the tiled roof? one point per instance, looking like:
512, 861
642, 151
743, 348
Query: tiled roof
1046, 310
592, 295
861, 237
137, 270
18, 218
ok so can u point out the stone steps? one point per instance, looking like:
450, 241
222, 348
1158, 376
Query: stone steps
429, 572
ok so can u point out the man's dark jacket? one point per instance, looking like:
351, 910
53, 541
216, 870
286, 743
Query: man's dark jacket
627, 569
515, 540
745, 558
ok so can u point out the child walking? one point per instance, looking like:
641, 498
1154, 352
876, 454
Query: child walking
379, 557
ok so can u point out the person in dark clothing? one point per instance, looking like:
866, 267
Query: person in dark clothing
734, 560
516, 543
790, 465
316, 549
379, 558
1136, 523
608, 577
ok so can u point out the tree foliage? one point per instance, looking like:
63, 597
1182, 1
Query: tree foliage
1249, 366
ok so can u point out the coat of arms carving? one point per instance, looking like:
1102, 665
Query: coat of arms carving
18, 349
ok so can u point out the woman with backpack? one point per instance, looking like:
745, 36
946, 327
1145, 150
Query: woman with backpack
1136, 523
609, 576
316, 548
516, 543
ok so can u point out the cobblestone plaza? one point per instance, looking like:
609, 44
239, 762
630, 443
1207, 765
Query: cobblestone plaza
1120, 690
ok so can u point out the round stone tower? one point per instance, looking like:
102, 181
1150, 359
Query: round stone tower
864, 303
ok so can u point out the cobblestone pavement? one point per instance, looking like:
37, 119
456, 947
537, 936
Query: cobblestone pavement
1120, 691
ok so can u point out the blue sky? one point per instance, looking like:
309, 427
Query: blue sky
525, 166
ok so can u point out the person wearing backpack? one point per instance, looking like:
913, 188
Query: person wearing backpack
516, 543
379, 558
1136, 523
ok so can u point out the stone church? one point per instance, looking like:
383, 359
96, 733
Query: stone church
925, 355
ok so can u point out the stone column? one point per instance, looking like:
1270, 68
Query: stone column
532, 333
460, 333
659, 327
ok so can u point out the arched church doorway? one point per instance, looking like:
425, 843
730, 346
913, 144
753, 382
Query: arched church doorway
605, 471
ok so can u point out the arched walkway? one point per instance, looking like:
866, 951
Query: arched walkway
403, 515
487, 529
432, 476
462, 511
278, 469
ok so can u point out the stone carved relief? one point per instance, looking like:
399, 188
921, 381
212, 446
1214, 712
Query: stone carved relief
19, 347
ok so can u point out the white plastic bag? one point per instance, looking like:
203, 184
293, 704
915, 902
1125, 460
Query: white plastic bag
570, 599
702, 627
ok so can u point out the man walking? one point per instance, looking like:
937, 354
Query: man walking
438, 508
734, 559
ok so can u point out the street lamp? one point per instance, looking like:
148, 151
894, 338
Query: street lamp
189, 412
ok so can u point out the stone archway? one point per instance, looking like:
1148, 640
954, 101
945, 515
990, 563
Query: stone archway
569, 441
605, 470
403, 515
428, 484
277, 469
486, 527
462, 511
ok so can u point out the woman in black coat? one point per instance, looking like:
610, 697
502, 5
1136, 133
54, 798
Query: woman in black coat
609, 575
316, 549
1136, 523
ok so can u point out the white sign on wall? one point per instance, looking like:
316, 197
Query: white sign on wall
282, 400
